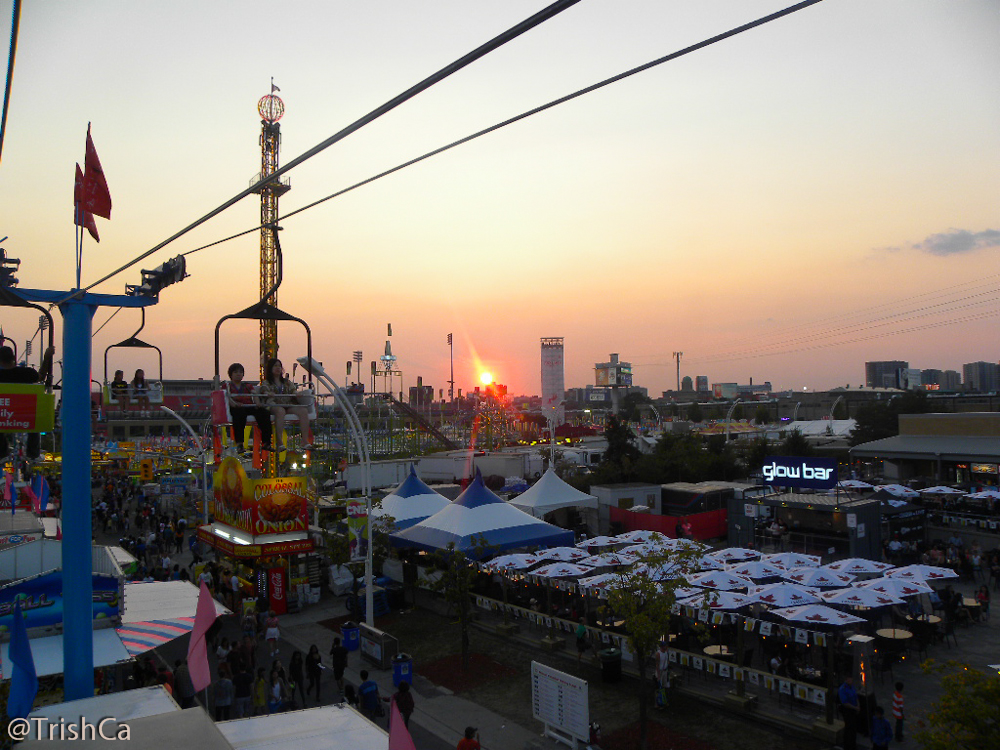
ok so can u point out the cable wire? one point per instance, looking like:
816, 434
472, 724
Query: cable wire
15, 24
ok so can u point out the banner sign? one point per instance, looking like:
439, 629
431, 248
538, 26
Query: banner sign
42, 600
792, 471
26, 407
277, 590
357, 527
252, 551
259, 506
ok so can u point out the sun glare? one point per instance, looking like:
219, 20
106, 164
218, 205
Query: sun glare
486, 378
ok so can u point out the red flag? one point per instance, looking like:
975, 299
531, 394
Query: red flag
197, 658
82, 217
399, 735
96, 197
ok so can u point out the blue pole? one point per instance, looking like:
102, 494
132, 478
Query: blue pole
78, 586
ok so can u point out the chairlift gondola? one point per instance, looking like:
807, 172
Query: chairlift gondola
155, 387
30, 407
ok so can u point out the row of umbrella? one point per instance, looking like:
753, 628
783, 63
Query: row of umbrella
901, 491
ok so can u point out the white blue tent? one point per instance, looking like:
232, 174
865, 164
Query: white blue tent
478, 512
411, 502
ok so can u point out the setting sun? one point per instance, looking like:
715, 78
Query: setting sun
486, 378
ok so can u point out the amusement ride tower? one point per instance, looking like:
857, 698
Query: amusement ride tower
270, 108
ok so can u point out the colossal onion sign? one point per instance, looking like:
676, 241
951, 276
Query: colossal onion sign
259, 506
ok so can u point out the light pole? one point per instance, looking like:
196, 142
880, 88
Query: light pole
204, 464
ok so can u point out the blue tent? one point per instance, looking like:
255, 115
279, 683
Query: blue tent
411, 502
475, 512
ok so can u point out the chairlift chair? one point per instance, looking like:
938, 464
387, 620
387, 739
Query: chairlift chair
45, 400
155, 387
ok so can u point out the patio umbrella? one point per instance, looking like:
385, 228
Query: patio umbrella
899, 490
603, 561
706, 562
561, 570
941, 490
920, 572
858, 566
641, 537
636, 551
895, 586
734, 554
857, 597
600, 581
756, 569
985, 495
661, 572
598, 541
818, 613
684, 592
719, 579
685, 544
793, 560
854, 484
783, 595
818, 577
718, 600
517, 561
562, 554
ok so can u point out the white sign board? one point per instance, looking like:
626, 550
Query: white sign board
852, 520
560, 701
750, 510
861, 531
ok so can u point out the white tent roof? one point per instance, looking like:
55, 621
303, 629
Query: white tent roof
162, 600
312, 729
124, 705
551, 493
47, 653
411, 502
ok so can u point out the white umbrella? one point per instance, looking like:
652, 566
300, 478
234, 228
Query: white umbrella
517, 561
856, 597
899, 490
600, 581
817, 577
854, 484
734, 554
783, 595
705, 562
719, 579
895, 586
598, 541
603, 561
685, 544
661, 572
793, 560
683, 592
858, 566
635, 551
818, 613
718, 600
922, 573
640, 536
756, 569
561, 570
941, 490
563, 554
985, 495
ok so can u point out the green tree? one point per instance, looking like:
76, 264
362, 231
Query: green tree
795, 444
457, 583
621, 456
967, 717
632, 406
644, 604
762, 415
880, 419
755, 453
695, 413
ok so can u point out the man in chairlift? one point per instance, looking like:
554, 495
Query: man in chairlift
243, 404
10, 372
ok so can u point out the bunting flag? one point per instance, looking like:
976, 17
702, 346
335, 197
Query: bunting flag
82, 217
23, 681
399, 735
96, 197
197, 658
40, 487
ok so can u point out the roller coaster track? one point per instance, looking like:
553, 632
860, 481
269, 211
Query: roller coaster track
421, 422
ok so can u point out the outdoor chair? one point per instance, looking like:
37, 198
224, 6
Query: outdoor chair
883, 663
948, 631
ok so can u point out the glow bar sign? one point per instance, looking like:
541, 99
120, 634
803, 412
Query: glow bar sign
791, 471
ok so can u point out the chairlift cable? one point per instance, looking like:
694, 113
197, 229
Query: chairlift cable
14, 26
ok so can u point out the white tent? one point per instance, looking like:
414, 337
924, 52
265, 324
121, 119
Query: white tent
551, 493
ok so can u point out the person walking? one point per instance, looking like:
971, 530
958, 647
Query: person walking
314, 667
223, 694
243, 691
849, 710
662, 674
271, 631
403, 699
296, 671
897, 710
183, 685
276, 693
368, 696
259, 693
470, 741
881, 731
338, 660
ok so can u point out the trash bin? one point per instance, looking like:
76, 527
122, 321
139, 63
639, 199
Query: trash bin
611, 664
402, 669
350, 631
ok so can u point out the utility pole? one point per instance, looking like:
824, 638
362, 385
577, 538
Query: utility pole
451, 383
677, 356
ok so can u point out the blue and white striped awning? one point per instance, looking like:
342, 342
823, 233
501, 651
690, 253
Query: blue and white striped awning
410, 503
140, 637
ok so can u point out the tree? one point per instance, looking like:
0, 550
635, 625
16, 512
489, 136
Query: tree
695, 413
762, 415
968, 715
618, 464
795, 444
645, 604
880, 419
632, 406
457, 583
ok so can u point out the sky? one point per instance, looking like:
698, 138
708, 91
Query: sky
783, 205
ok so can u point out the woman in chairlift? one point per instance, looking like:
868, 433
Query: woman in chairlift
243, 404
119, 390
140, 389
281, 399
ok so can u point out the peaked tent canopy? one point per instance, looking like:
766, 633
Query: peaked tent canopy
412, 501
478, 512
551, 493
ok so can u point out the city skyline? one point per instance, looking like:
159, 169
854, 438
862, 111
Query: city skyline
785, 205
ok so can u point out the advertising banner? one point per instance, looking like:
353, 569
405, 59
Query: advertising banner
792, 471
26, 407
277, 590
42, 600
259, 506
357, 527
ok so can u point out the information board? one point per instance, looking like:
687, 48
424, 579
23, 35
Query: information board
560, 701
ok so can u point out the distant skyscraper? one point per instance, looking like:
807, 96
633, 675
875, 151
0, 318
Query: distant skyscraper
701, 383
687, 384
553, 379
951, 380
884, 374
931, 377
981, 377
